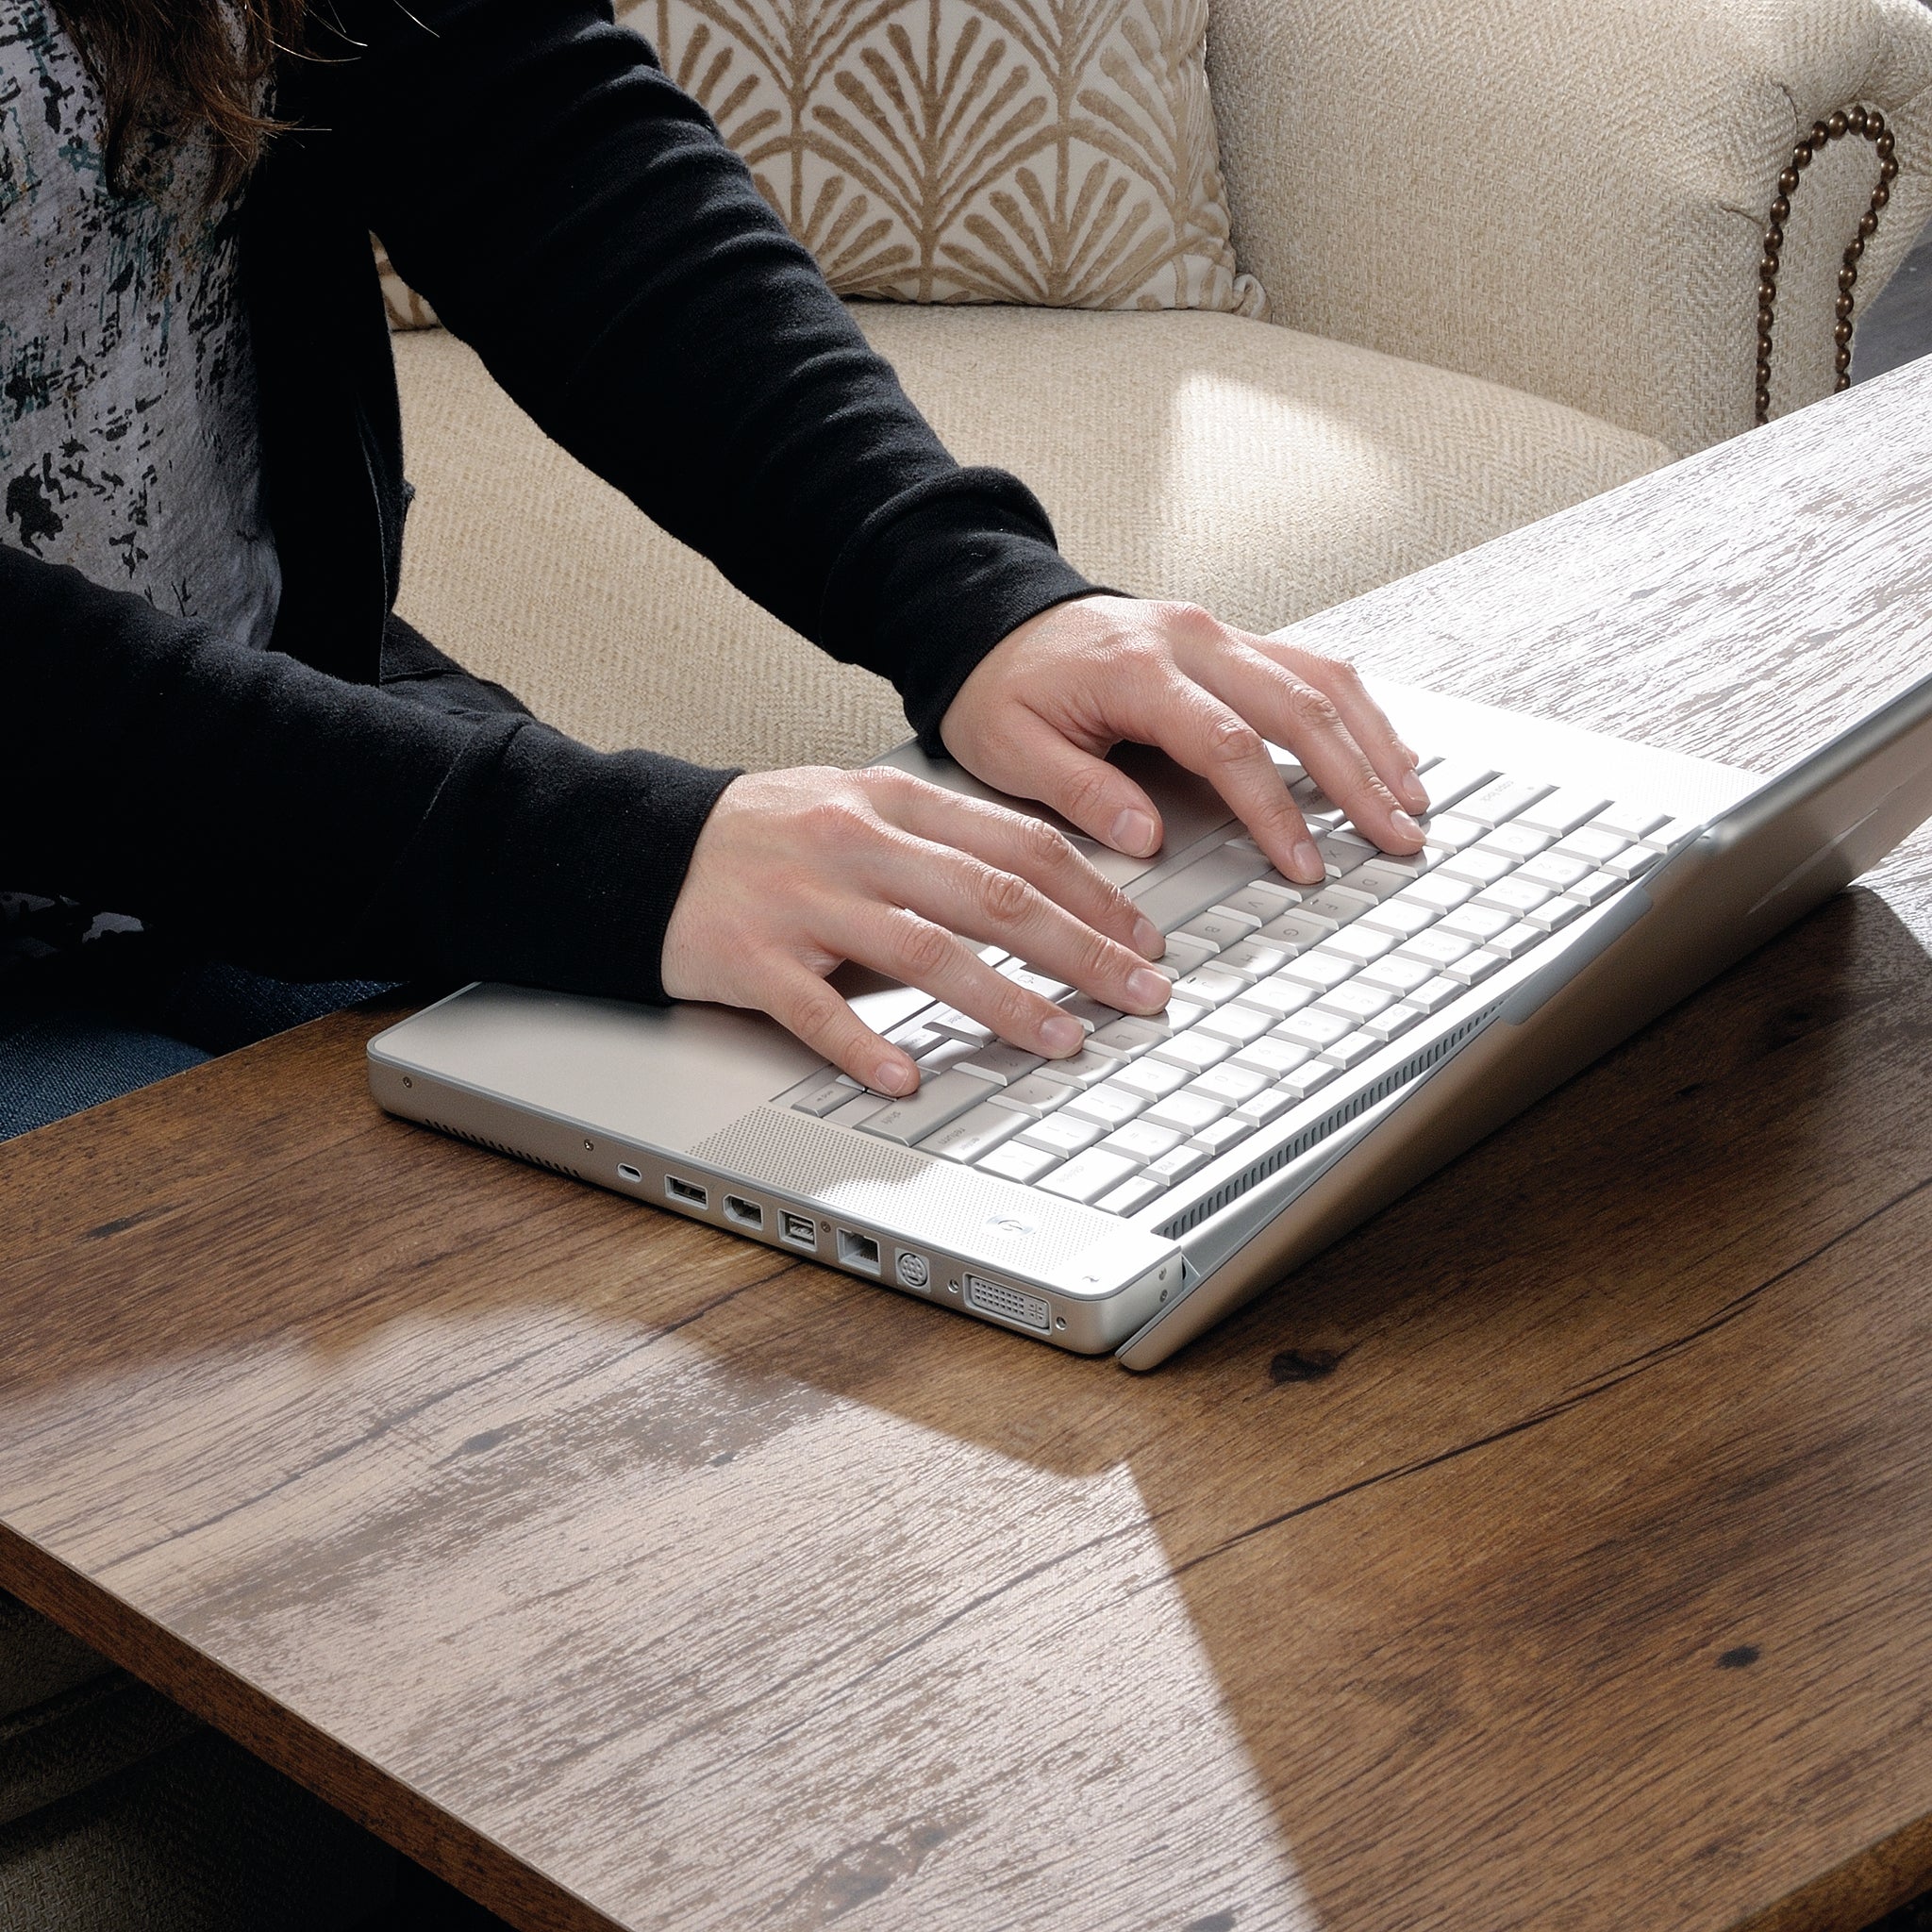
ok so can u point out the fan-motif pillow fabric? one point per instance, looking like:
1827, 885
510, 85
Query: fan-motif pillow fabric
1055, 153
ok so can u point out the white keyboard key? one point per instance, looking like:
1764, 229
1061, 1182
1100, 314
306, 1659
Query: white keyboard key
1299, 928
1396, 975
1280, 996
1562, 811
975, 1132
1016, 1162
1219, 1136
1239, 1022
1187, 953
1230, 1085
1132, 1038
1384, 876
1476, 923
1208, 987
1593, 890
1503, 798
1515, 939
1516, 897
1183, 1013
1395, 1020
1089, 1177
1476, 966
1439, 892
1043, 984
915, 1038
1142, 1140
1034, 1095
1671, 832
1131, 1195
1304, 1080
1151, 1078
1633, 820
1062, 1133
1194, 1050
1354, 1001
1002, 1064
1516, 841
1360, 943
1083, 1069
917, 1115
1452, 780
1478, 865
1403, 917
824, 1096
1435, 993
1175, 900
1190, 1113
1271, 1057
1313, 1028
1450, 833
1594, 843
945, 1056
1632, 860
1266, 898
1555, 912
857, 1110
1110, 1104
950, 1020
1350, 1050
1319, 968
1436, 947
1255, 959
1339, 904
1176, 1166
1219, 926
1556, 869
1090, 1012
1270, 1103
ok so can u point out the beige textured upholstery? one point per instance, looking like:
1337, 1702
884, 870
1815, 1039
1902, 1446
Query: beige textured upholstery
1260, 472
1567, 195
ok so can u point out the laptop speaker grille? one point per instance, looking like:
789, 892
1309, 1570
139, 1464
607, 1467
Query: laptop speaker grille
528, 1158
1317, 1131
917, 1195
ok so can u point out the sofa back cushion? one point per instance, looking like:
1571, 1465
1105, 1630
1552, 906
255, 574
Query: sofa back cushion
1050, 153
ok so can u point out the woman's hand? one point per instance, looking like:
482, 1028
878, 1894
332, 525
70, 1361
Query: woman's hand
1041, 710
798, 871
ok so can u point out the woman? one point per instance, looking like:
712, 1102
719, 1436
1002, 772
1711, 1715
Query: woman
218, 730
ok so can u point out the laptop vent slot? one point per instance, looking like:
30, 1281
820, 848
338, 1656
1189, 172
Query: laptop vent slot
1318, 1131
502, 1147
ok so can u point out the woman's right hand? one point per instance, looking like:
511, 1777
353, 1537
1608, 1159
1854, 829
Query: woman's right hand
797, 871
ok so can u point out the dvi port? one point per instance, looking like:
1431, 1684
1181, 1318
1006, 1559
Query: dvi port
1007, 1304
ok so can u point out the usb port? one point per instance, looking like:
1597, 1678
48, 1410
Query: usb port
799, 1230
687, 1191
742, 1214
859, 1250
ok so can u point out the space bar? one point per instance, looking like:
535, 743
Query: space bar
1175, 900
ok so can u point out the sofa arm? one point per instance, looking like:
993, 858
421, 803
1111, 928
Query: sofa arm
1571, 196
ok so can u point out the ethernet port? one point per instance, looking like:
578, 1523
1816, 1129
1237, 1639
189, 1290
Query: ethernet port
859, 1250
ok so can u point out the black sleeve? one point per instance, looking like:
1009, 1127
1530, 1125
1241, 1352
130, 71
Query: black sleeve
319, 829
575, 217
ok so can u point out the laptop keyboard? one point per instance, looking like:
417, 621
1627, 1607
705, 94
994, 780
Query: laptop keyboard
1279, 988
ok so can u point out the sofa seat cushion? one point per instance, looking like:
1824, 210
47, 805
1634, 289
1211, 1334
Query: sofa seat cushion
1262, 473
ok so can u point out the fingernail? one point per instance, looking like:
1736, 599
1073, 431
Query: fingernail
895, 1076
1147, 988
1415, 794
1308, 861
1062, 1035
1148, 939
1135, 832
1402, 826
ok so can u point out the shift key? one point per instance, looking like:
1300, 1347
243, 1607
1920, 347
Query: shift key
940, 1099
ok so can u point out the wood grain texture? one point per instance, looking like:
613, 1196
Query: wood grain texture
1551, 1554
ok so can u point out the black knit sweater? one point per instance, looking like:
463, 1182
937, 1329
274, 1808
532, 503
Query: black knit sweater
576, 219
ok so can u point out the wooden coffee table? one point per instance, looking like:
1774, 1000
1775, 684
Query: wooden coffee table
1555, 1552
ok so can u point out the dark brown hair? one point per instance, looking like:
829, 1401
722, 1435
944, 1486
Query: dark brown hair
170, 66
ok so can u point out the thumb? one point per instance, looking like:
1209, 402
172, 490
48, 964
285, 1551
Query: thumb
1106, 804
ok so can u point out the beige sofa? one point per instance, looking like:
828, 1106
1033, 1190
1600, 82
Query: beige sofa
1513, 250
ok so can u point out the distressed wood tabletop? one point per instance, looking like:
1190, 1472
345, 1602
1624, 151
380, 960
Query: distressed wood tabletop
1554, 1553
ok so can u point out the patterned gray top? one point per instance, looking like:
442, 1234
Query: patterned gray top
129, 440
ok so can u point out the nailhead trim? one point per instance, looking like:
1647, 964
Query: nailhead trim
1870, 124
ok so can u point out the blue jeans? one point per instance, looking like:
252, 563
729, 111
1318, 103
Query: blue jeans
70, 1040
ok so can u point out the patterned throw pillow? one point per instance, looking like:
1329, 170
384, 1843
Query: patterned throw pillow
1053, 153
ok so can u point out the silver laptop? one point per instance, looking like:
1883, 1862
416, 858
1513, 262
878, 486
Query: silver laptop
1325, 1047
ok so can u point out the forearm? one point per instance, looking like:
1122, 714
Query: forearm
315, 829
